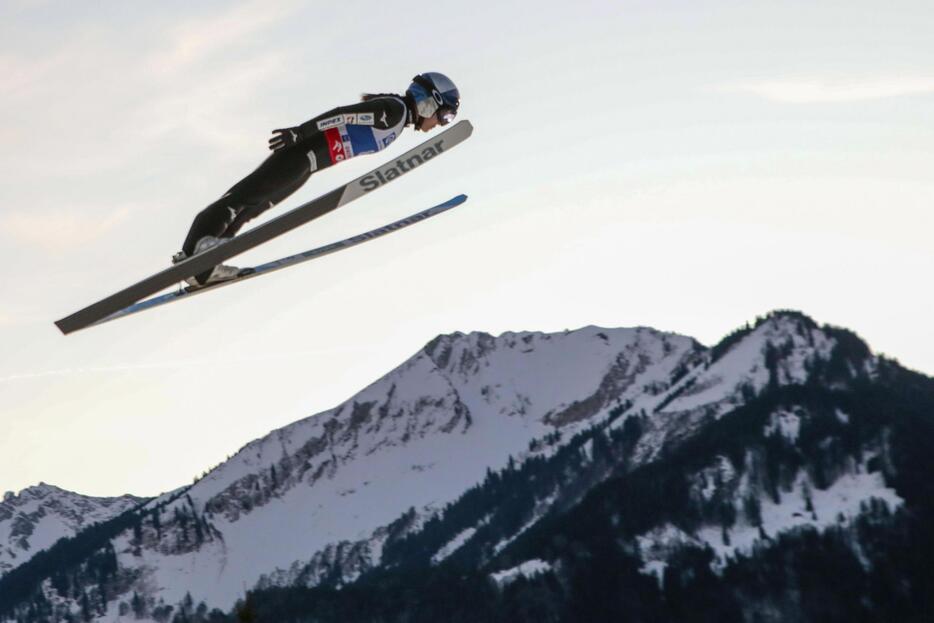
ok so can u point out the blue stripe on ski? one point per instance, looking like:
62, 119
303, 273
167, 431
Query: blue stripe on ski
291, 260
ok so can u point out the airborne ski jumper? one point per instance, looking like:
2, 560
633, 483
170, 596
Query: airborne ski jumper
431, 99
367, 127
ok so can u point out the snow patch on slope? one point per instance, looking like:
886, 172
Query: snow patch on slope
838, 504
528, 569
785, 423
457, 542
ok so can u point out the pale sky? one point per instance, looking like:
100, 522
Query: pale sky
680, 165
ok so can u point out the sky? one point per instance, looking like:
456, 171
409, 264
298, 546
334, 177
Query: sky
681, 165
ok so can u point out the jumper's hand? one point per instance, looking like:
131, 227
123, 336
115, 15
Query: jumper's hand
285, 137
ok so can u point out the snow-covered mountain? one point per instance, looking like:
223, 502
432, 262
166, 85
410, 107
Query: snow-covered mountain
786, 350
417, 438
38, 516
469, 453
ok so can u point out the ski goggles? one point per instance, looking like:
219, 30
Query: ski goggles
445, 110
445, 115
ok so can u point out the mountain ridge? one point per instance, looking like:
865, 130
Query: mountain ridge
458, 421
37, 516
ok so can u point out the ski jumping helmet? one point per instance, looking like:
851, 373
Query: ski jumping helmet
435, 94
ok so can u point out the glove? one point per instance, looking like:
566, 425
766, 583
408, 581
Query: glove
285, 137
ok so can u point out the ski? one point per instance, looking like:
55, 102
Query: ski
434, 146
292, 260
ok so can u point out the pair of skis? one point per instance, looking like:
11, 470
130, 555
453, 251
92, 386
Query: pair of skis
130, 300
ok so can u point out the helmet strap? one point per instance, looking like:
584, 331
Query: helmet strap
412, 110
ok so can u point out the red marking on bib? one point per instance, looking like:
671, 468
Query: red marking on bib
335, 145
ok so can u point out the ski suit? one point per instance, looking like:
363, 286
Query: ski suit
330, 138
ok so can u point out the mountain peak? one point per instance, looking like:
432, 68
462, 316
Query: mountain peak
43, 489
34, 492
36, 517
779, 316
783, 348
461, 351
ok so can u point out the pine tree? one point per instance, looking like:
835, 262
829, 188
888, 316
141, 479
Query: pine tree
138, 605
246, 613
85, 607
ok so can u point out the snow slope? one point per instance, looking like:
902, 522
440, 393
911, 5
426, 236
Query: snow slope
417, 438
37, 517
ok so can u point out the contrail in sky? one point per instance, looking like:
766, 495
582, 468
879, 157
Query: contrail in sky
163, 365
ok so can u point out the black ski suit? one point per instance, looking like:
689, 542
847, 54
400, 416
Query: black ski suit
330, 138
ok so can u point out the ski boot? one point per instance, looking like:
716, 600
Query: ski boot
221, 272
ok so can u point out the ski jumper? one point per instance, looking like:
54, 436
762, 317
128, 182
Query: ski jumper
330, 138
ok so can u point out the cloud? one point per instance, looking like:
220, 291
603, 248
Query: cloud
221, 122
196, 39
57, 230
118, 96
819, 91
18, 73
198, 363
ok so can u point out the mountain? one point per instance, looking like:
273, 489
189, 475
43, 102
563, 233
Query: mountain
39, 516
597, 474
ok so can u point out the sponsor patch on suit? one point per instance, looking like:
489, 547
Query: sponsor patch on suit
331, 122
